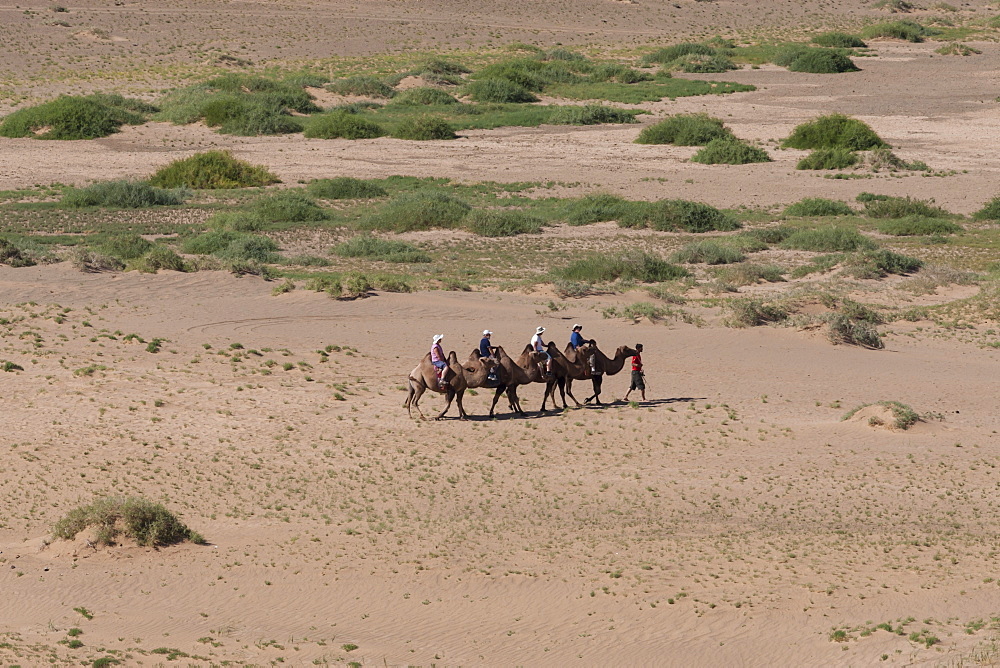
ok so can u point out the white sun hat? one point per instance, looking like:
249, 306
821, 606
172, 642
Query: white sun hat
578, 326
438, 337
487, 332
539, 330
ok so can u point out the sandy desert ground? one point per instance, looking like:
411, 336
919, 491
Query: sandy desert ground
734, 518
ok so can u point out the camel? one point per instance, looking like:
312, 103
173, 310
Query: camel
522, 371
604, 365
460, 377
565, 367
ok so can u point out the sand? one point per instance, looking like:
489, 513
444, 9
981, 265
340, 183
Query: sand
732, 518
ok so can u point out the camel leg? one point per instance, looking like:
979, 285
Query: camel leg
496, 397
417, 391
550, 388
514, 400
569, 391
462, 415
450, 396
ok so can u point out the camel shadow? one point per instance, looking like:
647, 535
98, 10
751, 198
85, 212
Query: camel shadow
538, 415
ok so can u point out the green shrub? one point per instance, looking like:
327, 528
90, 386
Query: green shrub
823, 61
834, 131
237, 221
126, 246
342, 125
74, 117
386, 250
917, 226
248, 116
497, 223
751, 312
676, 214
143, 521
902, 207
13, 256
769, 235
210, 242
345, 187
841, 329
750, 273
604, 72
530, 73
909, 31
441, 66
870, 197
878, 263
425, 96
498, 91
596, 208
698, 64
159, 257
828, 158
707, 252
287, 206
591, 114
904, 417
672, 53
277, 94
684, 130
957, 49
633, 265
424, 128
730, 151
828, 239
839, 40
121, 194
418, 211
212, 170
363, 85
990, 211
817, 206
250, 248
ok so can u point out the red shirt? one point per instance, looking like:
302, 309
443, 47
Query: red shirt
636, 362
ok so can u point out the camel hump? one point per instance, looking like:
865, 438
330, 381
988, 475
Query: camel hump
528, 349
569, 348
452, 358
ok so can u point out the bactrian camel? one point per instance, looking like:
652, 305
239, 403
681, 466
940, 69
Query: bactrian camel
566, 366
604, 365
522, 371
458, 377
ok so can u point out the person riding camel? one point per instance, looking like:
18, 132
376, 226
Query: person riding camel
576, 340
486, 350
539, 347
438, 360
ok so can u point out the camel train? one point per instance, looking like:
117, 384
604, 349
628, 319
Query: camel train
506, 374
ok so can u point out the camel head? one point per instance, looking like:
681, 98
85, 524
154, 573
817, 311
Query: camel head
626, 351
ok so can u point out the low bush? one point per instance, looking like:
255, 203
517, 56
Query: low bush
424, 128
423, 97
839, 40
684, 130
237, 221
823, 61
878, 263
210, 242
345, 187
834, 131
841, 329
675, 215
870, 197
75, 117
342, 125
634, 266
126, 246
497, 223
159, 257
698, 64
904, 417
828, 239
371, 247
752, 312
614, 72
990, 211
363, 86
418, 211
750, 273
817, 206
145, 522
730, 151
912, 226
498, 91
250, 248
909, 31
957, 49
596, 208
533, 74
902, 207
13, 256
707, 252
86, 260
591, 114
121, 195
249, 116
769, 235
829, 158
672, 53
287, 206
212, 170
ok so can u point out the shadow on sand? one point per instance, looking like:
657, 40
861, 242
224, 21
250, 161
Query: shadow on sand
537, 415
